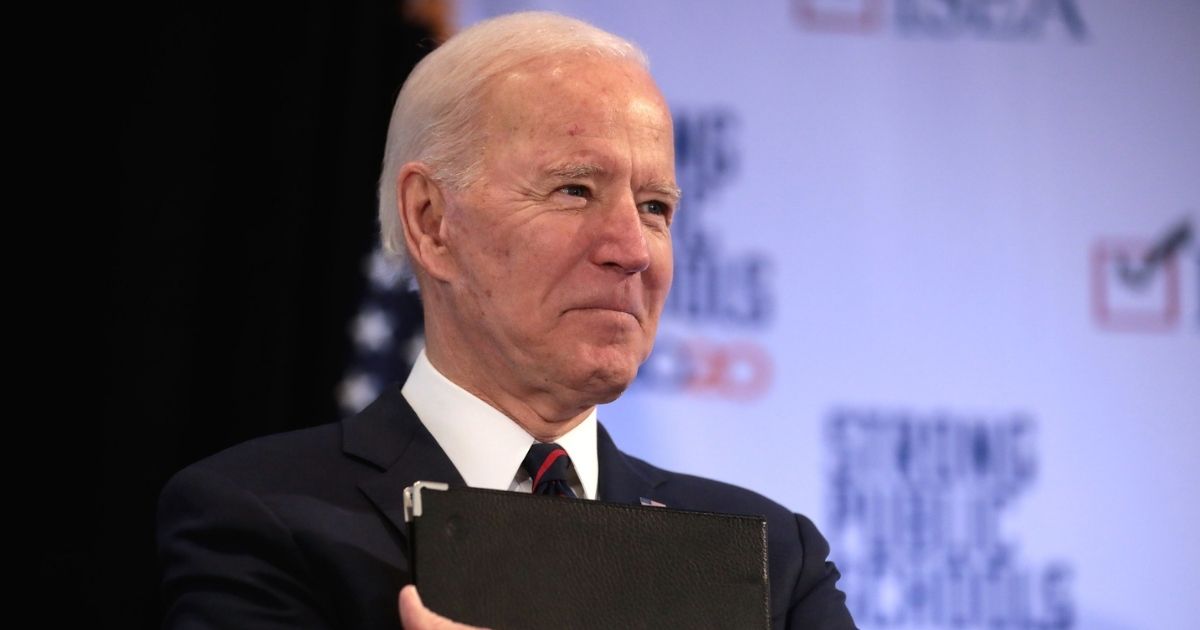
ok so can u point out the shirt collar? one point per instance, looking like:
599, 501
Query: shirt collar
486, 446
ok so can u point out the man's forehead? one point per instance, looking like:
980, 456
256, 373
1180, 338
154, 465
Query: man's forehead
571, 66
579, 117
575, 83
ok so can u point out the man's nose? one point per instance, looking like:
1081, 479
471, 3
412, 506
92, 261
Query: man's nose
622, 245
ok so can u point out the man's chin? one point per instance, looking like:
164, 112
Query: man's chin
592, 373
610, 393
606, 383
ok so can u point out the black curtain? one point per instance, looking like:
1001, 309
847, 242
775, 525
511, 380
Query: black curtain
247, 152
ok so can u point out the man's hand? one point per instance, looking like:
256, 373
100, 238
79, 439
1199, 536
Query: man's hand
415, 616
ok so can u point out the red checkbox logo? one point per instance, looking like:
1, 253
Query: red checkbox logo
1132, 291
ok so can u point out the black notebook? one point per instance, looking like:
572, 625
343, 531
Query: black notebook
513, 561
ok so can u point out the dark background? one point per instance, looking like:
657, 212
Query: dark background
239, 212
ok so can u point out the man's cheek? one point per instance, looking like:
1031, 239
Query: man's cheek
496, 249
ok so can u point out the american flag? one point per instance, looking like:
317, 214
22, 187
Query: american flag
386, 334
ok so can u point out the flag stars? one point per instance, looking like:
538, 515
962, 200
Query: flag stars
383, 272
357, 391
373, 330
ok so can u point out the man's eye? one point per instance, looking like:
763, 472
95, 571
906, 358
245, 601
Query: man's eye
656, 207
576, 190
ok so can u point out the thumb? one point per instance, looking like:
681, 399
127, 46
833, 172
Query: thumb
414, 614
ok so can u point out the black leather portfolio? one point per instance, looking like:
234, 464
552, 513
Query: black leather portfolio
512, 561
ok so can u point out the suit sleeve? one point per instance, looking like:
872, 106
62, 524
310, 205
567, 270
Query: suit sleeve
228, 560
817, 603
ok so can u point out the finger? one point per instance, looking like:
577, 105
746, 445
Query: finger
414, 614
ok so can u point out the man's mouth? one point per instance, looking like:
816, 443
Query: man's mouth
624, 309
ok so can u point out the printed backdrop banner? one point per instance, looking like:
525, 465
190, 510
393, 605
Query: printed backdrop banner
938, 287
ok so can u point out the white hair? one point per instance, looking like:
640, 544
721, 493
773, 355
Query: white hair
437, 118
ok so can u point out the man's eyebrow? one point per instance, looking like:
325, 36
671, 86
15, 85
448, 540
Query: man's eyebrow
665, 188
575, 170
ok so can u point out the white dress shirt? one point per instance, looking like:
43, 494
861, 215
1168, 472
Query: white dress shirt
486, 446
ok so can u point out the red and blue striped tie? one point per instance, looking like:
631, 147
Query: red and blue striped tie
547, 466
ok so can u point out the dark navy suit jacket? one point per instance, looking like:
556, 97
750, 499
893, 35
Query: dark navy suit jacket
306, 529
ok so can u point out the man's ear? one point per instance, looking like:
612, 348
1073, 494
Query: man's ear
422, 209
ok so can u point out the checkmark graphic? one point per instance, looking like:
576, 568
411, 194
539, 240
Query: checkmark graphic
1135, 282
1137, 274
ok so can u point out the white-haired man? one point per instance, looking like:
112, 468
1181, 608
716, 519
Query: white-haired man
529, 185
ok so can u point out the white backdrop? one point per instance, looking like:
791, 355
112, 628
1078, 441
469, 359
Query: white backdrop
939, 289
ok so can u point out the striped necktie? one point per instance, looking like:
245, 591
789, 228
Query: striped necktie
547, 466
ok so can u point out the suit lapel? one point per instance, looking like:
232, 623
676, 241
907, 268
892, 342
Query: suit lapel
622, 478
389, 436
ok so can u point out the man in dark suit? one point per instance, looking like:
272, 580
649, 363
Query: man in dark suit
529, 185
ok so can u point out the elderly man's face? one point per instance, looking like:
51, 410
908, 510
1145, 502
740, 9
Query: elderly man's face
562, 246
